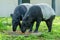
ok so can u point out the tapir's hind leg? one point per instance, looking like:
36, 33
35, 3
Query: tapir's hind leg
49, 23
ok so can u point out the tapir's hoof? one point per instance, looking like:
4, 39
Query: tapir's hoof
49, 31
14, 31
30, 31
23, 31
35, 31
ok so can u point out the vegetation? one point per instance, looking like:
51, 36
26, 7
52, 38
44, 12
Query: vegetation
5, 25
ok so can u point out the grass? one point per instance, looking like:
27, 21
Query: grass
5, 24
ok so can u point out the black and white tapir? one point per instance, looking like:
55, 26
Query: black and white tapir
18, 14
38, 13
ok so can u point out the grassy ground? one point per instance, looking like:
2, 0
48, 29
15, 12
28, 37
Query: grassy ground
5, 24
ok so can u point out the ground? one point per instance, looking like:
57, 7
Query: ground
7, 34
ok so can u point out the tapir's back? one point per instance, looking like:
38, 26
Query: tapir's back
47, 11
27, 5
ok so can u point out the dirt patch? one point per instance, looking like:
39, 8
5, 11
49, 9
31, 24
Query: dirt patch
19, 33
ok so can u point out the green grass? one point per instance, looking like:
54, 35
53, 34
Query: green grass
5, 24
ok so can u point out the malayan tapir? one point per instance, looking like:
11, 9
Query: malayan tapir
38, 13
18, 14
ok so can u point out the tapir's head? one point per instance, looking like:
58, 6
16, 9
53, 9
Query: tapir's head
26, 23
15, 22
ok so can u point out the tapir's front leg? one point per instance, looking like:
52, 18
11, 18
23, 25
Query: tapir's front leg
14, 26
31, 26
19, 25
37, 25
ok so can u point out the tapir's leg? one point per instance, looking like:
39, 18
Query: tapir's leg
15, 26
37, 25
19, 22
31, 27
19, 25
49, 23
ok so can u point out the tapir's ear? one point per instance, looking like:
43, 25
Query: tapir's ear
11, 15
